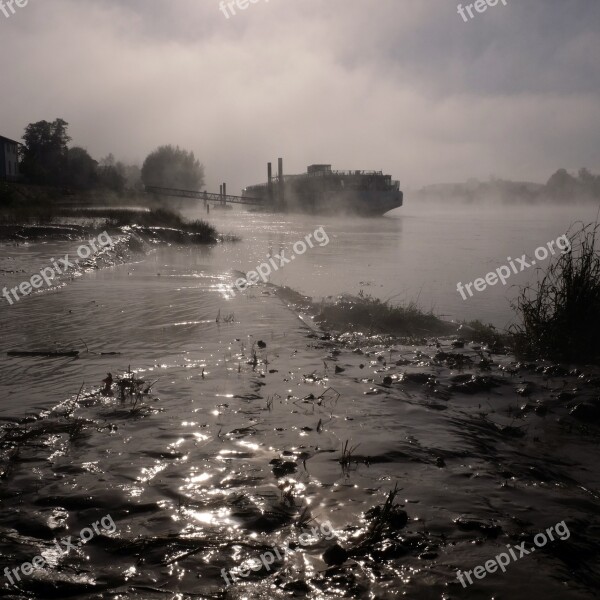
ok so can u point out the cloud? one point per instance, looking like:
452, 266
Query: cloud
400, 85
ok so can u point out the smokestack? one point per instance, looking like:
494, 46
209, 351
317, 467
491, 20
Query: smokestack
270, 182
220, 191
280, 176
224, 191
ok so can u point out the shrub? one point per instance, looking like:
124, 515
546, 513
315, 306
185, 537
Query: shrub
560, 314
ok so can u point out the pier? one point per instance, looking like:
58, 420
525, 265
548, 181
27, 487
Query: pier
221, 196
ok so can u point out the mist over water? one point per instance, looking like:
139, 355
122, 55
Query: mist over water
418, 252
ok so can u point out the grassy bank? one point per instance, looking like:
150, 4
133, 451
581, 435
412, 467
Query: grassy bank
31, 212
372, 316
557, 318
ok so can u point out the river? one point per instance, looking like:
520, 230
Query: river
195, 474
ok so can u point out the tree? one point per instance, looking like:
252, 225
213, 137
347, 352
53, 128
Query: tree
45, 151
585, 176
81, 168
174, 168
562, 185
133, 177
590, 183
110, 175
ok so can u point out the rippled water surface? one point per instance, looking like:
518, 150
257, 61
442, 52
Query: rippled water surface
413, 253
237, 442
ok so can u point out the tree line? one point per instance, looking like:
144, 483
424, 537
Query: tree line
47, 158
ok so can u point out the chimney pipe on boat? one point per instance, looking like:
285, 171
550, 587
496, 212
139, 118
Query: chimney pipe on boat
281, 198
270, 183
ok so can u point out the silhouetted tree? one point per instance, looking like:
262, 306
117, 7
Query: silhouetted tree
133, 177
45, 151
111, 178
173, 167
81, 168
562, 185
110, 174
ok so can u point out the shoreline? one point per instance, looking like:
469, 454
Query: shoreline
439, 421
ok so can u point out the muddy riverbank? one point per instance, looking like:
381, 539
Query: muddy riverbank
240, 436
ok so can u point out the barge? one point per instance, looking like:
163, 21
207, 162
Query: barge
322, 190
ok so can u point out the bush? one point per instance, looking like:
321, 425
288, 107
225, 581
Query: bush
561, 313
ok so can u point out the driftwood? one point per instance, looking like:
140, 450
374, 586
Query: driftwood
43, 353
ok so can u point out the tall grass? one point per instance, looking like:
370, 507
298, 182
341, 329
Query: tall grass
366, 313
560, 314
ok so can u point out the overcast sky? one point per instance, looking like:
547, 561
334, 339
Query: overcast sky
405, 86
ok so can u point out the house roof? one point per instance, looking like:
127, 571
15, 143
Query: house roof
5, 139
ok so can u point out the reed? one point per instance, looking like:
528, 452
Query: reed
560, 314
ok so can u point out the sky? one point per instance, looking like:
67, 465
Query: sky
403, 86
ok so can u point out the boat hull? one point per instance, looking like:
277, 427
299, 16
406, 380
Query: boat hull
352, 202
364, 203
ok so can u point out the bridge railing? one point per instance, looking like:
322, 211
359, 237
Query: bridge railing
196, 195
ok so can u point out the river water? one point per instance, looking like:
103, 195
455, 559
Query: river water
188, 472
415, 253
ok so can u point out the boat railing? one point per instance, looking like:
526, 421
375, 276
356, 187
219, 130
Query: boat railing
393, 183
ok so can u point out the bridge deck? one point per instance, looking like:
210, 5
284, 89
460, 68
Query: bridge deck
208, 196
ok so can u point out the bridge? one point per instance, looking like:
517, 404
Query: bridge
206, 196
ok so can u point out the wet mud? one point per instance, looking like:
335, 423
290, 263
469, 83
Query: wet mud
216, 441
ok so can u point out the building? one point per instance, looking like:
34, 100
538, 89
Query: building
9, 162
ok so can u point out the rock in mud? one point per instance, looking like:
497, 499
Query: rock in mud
553, 371
491, 530
388, 550
474, 384
526, 389
395, 519
415, 378
452, 359
283, 467
586, 412
297, 587
335, 555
